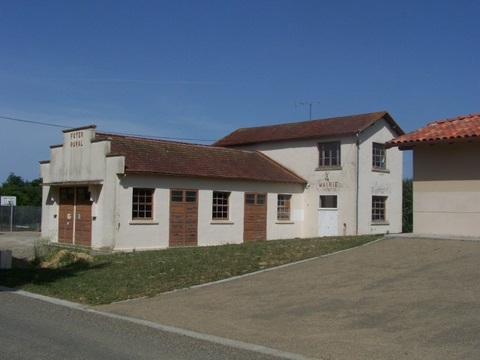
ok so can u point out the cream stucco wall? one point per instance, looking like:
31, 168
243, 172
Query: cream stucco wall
446, 188
302, 157
380, 183
80, 162
155, 233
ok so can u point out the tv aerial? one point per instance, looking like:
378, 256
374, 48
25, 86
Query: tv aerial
309, 103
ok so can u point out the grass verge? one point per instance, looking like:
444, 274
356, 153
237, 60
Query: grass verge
123, 276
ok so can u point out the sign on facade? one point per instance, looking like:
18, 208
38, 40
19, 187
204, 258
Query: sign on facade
8, 200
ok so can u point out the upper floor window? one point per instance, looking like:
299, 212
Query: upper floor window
283, 207
329, 154
379, 156
220, 205
142, 204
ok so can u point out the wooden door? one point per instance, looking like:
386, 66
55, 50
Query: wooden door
183, 218
255, 218
83, 217
66, 215
75, 216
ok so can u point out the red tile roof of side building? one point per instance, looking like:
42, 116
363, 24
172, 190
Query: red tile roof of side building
344, 125
458, 129
151, 156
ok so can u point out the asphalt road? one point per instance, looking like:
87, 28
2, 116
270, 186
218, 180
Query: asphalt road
35, 329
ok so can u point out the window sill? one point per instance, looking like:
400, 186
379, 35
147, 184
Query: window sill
144, 222
221, 222
284, 222
380, 223
324, 168
380, 170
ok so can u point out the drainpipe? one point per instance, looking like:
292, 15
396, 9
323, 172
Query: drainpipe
357, 184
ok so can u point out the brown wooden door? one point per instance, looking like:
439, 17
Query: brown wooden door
75, 216
183, 218
66, 215
255, 219
83, 218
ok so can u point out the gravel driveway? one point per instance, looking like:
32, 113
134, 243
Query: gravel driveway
398, 298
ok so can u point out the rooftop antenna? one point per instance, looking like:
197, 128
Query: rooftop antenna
309, 103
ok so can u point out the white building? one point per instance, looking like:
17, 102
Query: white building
314, 178
354, 185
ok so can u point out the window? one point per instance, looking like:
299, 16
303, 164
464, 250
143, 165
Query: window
255, 199
220, 205
67, 194
379, 156
328, 201
379, 208
329, 154
183, 196
142, 204
283, 207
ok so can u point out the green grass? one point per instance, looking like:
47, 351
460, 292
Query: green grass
122, 276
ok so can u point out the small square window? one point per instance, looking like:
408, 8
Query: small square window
328, 201
329, 154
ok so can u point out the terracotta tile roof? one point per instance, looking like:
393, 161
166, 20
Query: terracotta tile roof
151, 156
344, 125
458, 129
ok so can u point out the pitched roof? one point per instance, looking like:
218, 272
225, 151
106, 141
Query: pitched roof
457, 129
151, 156
344, 125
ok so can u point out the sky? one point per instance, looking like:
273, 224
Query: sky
195, 71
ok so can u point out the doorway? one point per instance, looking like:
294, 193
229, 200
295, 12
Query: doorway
255, 218
183, 218
328, 215
75, 216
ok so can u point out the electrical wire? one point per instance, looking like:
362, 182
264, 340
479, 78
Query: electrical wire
113, 133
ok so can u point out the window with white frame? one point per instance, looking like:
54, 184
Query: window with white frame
220, 205
379, 156
283, 206
329, 154
142, 204
379, 208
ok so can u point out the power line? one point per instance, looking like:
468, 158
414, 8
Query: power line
33, 122
113, 133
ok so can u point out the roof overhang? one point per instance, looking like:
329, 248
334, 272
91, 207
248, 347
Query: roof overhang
74, 183
412, 144
300, 180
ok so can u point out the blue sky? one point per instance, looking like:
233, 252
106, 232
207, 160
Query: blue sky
201, 69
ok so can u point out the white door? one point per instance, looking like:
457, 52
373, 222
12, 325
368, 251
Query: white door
328, 216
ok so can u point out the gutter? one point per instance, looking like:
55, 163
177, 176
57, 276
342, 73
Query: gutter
357, 183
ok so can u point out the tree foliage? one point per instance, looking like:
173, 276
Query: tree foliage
28, 193
407, 206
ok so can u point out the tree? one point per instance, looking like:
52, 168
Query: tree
407, 206
28, 193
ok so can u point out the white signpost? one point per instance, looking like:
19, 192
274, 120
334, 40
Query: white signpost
9, 201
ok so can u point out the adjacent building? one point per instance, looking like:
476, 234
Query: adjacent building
305, 179
446, 176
